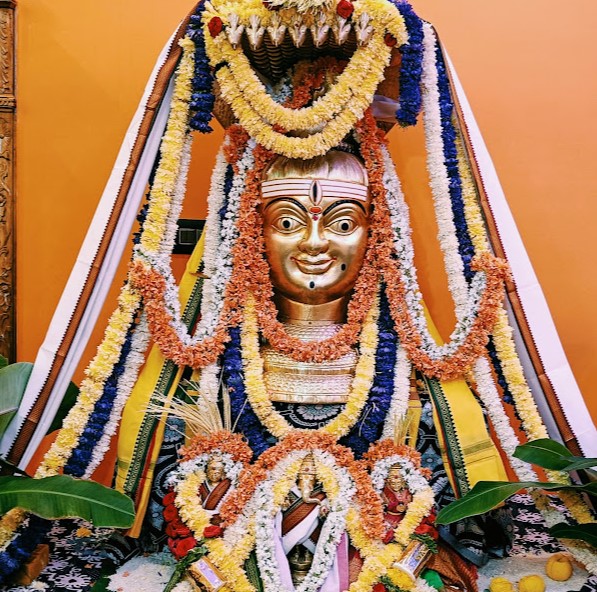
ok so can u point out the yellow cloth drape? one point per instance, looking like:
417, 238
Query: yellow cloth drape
467, 450
138, 452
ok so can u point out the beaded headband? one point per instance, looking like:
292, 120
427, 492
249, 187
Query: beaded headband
315, 189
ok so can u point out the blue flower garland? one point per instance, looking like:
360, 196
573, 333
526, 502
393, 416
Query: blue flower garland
411, 68
370, 424
465, 244
202, 99
19, 550
82, 454
243, 416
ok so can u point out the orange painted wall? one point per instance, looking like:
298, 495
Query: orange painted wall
527, 67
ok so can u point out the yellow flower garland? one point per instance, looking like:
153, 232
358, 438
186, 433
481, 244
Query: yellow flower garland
92, 387
419, 507
337, 111
526, 407
367, 66
171, 149
188, 502
257, 392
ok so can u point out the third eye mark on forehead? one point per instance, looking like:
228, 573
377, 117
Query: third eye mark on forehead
327, 210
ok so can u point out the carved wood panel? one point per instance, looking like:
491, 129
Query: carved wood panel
7, 189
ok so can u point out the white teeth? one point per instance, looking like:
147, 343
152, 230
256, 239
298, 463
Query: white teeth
255, 31
234, 30
363, 29
341, 30
298, 31
320, 31
276, 30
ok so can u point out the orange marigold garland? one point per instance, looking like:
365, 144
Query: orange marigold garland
455, 365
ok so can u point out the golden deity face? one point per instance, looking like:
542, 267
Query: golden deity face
316, 226
395, 481
214, 471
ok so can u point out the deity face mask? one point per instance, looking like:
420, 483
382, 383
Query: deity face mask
214, 471
316, 226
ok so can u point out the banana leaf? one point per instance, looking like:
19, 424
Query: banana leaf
582, 532
486, 495
64, 497
550, 454
13, 381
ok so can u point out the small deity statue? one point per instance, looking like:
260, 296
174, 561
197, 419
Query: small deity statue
215, 487
396, 497
299, 525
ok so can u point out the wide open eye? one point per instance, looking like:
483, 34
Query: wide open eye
342, 226
287, 224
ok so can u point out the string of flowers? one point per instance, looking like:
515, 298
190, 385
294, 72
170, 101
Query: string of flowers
332, 478
379, 559
368, 427
244, 419
103, 422
510, 366
448, 135
411, 68
258, 396
21, 545
495, 270
386, 455
202, 99
369, 502
250, 101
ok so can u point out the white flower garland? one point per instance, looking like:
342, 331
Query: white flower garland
232, 468
507, 436
124, 387
218, 268
331, 532
403, 245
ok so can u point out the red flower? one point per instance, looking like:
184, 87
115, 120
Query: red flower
345, 9
180, 547
379, 587
170, 513
211, 531
215, 26
427, 529
177, 528
169, 498
390, 40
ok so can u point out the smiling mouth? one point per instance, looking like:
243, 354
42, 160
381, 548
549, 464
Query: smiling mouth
316, 267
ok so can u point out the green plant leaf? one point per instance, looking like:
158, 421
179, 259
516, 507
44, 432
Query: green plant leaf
486, 495
552, 455
13, 382
3, 361
69, 399
582, 532
64, 497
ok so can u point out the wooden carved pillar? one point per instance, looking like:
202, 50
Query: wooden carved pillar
7, 187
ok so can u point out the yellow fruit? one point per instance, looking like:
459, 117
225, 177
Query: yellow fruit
559, 567
501, 585
531, 584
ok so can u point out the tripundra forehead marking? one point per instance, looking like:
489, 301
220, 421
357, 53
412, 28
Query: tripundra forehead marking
315, 189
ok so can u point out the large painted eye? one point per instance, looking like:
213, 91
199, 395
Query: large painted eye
342, 226
287, 224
